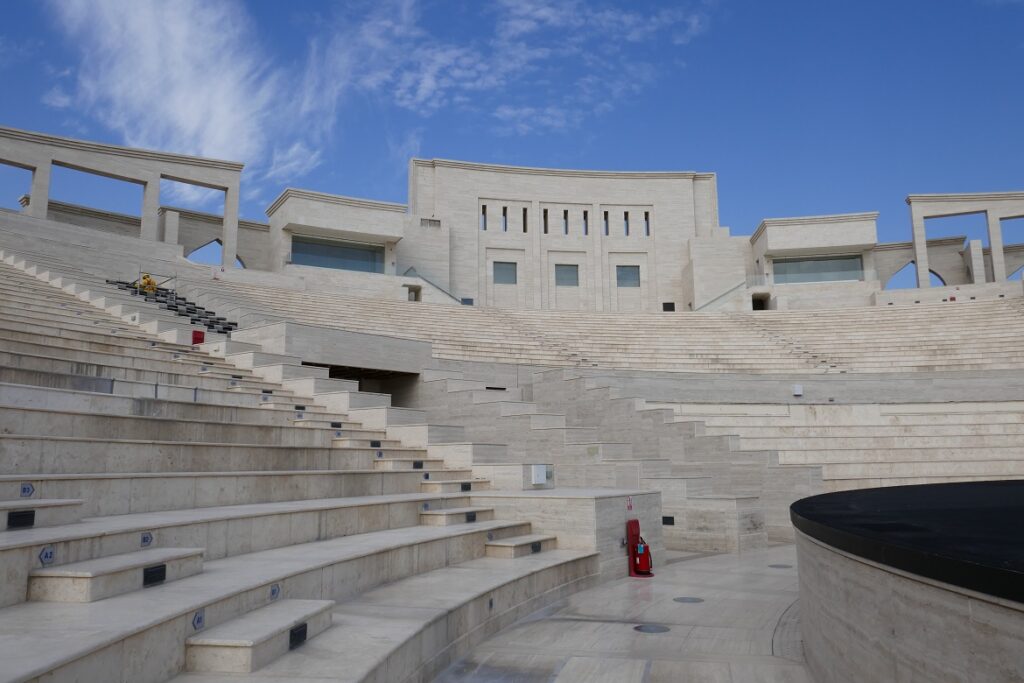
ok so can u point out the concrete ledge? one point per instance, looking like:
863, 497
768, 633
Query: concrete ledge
254, 639
105, 577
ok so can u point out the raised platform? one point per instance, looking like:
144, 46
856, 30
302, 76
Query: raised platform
913, 582
965, 534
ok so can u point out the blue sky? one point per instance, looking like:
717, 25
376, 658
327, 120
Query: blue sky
801, 107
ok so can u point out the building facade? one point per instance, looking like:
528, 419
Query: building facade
536, 238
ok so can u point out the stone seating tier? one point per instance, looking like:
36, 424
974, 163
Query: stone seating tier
963, 335
299, 503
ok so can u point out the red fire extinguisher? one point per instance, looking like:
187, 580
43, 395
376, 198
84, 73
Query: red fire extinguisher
641, 562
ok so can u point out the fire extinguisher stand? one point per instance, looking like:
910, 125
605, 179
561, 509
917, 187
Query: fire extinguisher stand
641, 563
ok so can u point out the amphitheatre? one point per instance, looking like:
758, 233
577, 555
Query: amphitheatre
402, 442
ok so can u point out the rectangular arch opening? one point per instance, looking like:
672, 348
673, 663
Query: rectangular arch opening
15, 182
96, 201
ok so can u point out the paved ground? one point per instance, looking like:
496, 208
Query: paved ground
746, 629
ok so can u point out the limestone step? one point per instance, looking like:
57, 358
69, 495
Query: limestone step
923, 456
30, 396
252, 359
225, 531
311, 386
253, 640
884, 470
455, 486
65, 455
105, 577
354, 439
203, 380
335, 569
281, 372
424, 435
28, 513
384, 417
16, 420
418, 464
225, 347
843, 443
517, 546
463, 515
103, 494
130, 388
347, 401
411, 630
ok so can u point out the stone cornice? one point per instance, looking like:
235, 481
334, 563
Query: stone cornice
116, 150
934, 242
568, 173
333, 199
102, 214
965, 197
811, 220
79, 210
214, 218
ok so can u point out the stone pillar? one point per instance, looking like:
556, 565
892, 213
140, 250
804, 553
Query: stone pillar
229, 239
171, 221
39, 199
920, 249
974, 258
150, 208
598, 271
995, 243
390, 262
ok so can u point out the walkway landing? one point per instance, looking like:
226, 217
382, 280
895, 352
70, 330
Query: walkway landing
745, 630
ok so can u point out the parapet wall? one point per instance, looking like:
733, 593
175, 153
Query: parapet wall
863, 621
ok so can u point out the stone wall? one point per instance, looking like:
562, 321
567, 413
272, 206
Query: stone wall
862, 621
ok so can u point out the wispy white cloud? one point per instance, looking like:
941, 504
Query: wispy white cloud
187, 76
13, 51
523, 120
292, 162
194, 76
573, 54
57, 98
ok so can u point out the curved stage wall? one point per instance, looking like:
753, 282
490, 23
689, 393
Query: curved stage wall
913, 583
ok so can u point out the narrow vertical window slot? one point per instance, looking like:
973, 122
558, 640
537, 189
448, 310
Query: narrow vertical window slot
586, 223
565, 221
504, 219
625, 222
483, 216
524, 219
545, 221
606, 223
647, 223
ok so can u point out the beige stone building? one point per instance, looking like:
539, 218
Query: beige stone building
545, 239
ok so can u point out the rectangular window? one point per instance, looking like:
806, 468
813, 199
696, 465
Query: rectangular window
605, 222
483, 216
524, 219
567, 275
837, 268
504, 273
367, 258
627, 276
565, 222
647, 223
625, 222
545, 221
586, 223
504, 219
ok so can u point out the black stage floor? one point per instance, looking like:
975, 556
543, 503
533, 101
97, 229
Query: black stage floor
968, 534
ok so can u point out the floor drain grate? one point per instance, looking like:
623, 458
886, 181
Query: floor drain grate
651, 628
687, 599
781, 566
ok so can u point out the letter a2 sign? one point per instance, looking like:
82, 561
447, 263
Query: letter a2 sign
629, 502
